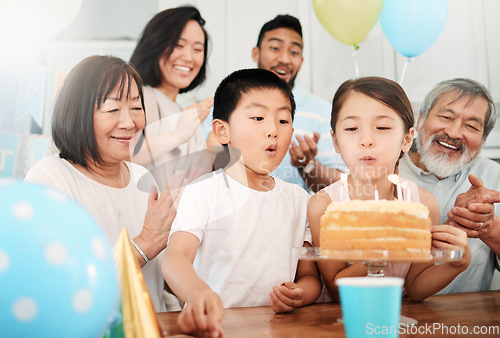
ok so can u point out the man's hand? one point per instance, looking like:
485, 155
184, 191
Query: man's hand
305, 151
474, 210
477, 193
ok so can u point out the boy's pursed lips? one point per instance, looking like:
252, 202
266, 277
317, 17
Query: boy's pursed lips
271, 149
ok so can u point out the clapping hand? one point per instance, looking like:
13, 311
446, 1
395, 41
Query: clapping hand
191, 118
161, 213
305, 151
474, 210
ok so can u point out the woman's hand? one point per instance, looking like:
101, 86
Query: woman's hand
286, 297
157, 223
191, 118
159, 217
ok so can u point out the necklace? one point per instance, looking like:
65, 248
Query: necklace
118, 212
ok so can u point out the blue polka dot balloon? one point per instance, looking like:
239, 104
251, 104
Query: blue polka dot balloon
57, 273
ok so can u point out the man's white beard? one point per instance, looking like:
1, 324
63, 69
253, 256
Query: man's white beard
440, 164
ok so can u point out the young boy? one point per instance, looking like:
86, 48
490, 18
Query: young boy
232, 239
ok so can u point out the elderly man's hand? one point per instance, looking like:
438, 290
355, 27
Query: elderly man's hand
477, 193
474, 210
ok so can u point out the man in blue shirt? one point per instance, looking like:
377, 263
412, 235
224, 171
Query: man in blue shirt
455, 119
312, 161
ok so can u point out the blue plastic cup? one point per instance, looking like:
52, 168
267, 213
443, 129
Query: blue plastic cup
371, 306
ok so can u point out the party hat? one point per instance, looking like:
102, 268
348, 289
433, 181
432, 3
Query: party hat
139, 316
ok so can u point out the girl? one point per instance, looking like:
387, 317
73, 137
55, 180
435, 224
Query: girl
372, 127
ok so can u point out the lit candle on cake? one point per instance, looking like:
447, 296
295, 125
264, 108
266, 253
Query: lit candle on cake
406, 188
344, 192
395, 180
376, 193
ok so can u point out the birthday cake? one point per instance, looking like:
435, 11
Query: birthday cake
401, 228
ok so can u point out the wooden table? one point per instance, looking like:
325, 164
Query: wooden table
458, 313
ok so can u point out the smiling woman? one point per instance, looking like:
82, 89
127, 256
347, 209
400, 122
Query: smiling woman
116, 121
171, 57
98, 112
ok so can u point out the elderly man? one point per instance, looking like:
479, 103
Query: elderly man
455, 120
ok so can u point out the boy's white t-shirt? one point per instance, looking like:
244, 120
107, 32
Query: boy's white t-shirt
246, 236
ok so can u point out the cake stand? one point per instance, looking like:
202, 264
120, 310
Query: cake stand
376, 260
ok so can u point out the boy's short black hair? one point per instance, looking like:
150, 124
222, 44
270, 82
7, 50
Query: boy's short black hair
280, 21
229, 91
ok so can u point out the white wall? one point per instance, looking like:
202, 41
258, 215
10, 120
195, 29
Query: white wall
469, 46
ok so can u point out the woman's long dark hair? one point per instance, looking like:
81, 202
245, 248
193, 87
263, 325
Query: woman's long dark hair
159, 38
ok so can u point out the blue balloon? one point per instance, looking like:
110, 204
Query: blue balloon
58, 277
412, 26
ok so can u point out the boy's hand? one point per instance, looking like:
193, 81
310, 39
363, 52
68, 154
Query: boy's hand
202, 314
286, 297
447, 237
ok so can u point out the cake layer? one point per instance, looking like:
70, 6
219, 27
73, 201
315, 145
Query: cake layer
329, 241
339, 218
398, 229
377, 232
414, 209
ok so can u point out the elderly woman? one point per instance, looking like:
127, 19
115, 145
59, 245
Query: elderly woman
171, 58
98, 111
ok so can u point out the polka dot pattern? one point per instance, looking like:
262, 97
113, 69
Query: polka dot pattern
23, 211
83, 301
56, 263
25, 309
4, 261
56, 253
98, 248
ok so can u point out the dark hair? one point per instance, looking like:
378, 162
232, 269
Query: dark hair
86, 88
280, 21
159, 38
385, 91
230, 90
463, 88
